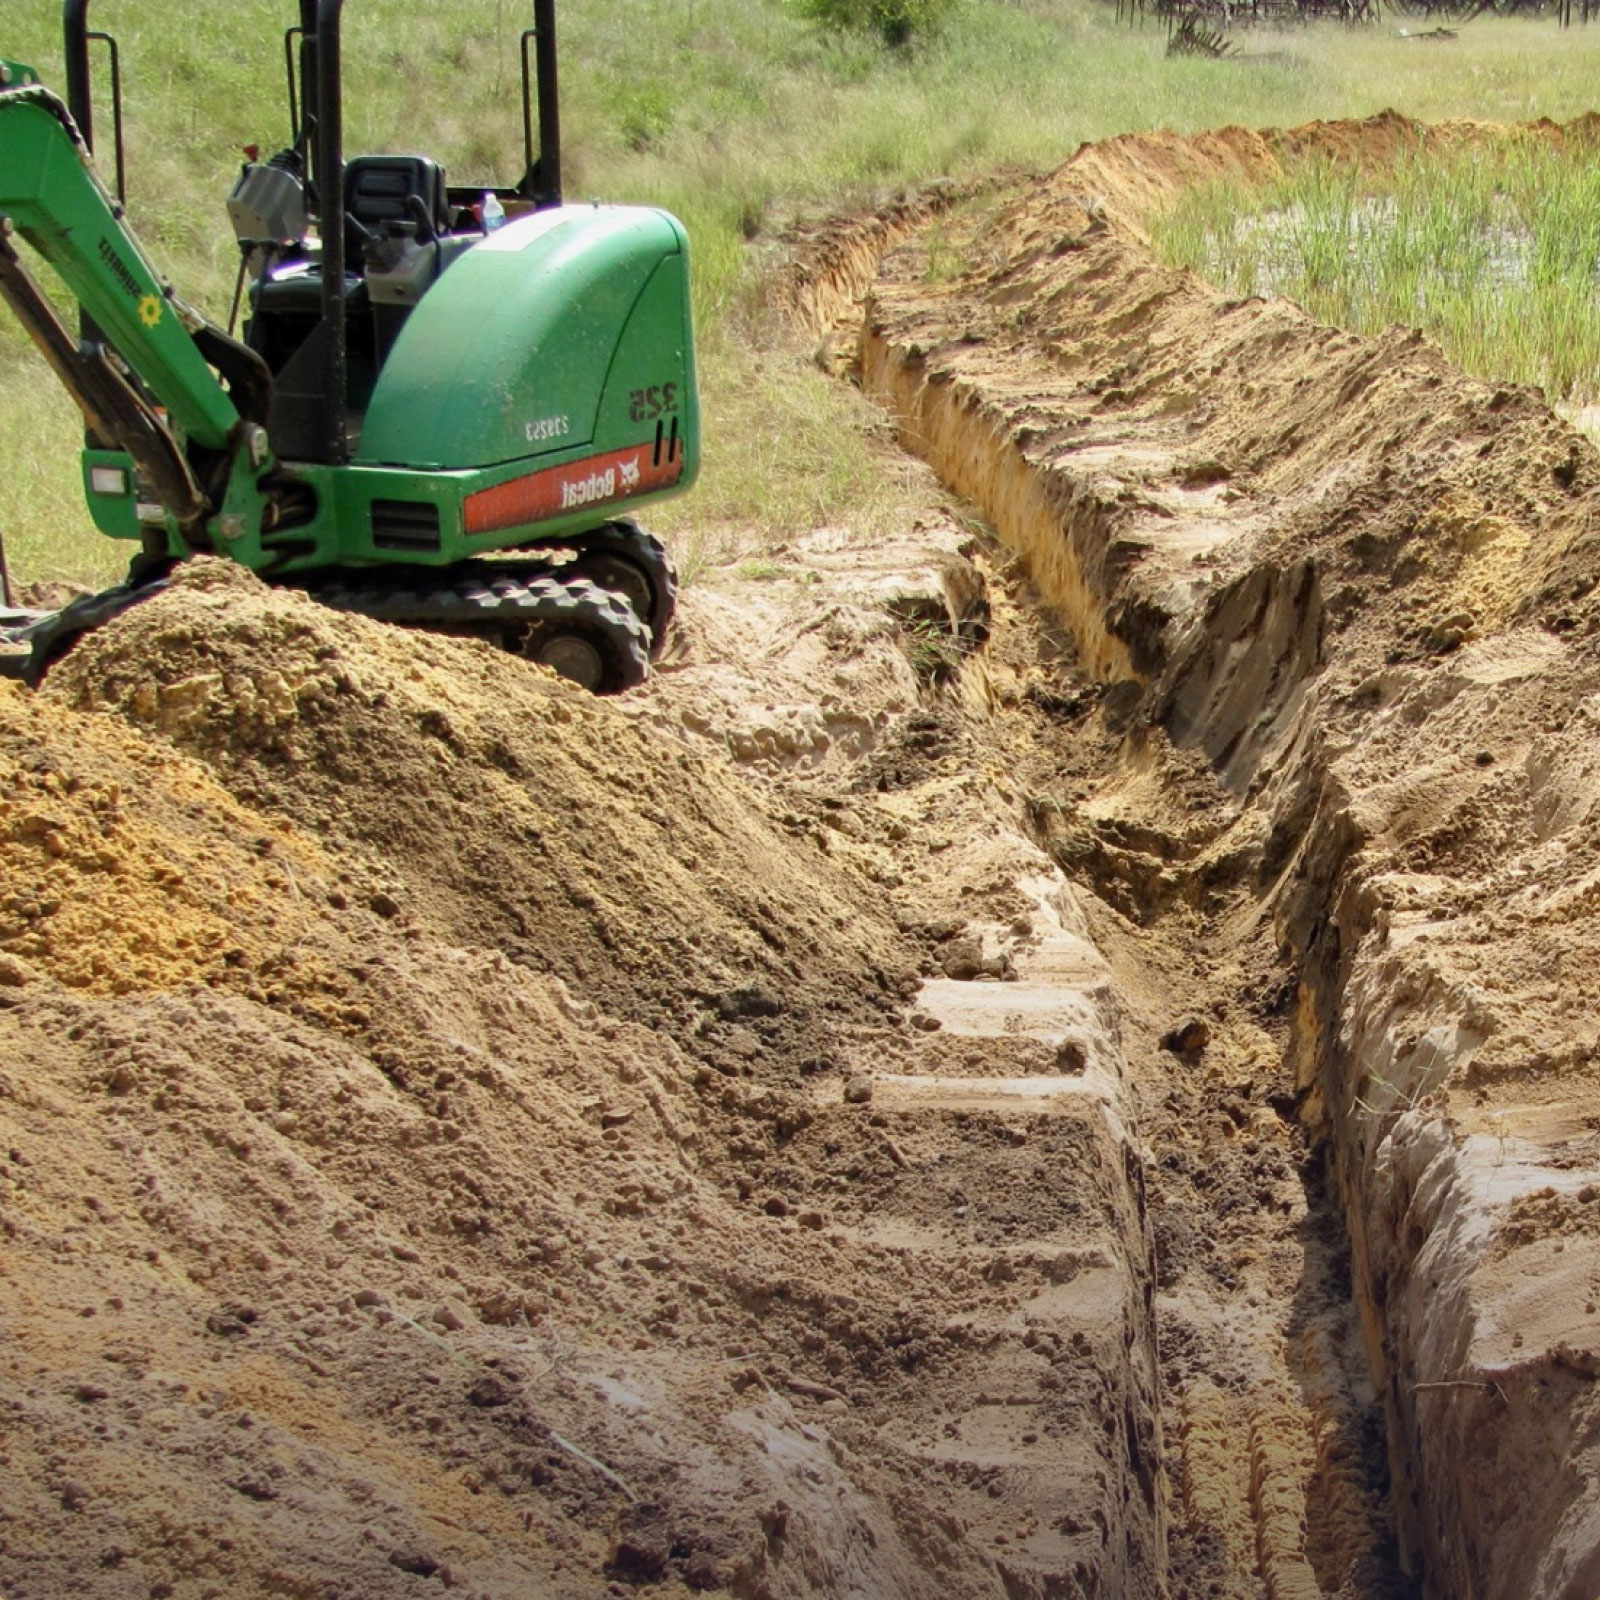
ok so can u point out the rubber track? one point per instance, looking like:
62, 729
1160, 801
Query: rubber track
497, 597
53, 633
624, 538
490, 599
495, 594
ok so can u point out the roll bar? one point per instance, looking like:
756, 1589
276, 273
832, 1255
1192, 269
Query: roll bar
320, 19
543, 34
80, 101
75, 40
320, 100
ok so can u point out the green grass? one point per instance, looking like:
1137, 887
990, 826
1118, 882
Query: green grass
1491, 249
736, 114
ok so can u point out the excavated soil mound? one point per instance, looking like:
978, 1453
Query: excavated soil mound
492, 804
427, 1156
321, 1098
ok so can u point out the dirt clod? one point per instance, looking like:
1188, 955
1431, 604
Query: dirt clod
1188, 1038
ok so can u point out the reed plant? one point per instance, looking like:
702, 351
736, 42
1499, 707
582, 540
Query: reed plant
1491, 246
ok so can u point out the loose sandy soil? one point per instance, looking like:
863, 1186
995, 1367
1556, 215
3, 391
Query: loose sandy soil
1039, 1062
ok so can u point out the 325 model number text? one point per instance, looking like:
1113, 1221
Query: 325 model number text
659, 400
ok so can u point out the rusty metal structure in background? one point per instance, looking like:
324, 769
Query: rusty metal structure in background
1197, 27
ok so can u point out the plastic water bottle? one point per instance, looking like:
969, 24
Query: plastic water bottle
494, 214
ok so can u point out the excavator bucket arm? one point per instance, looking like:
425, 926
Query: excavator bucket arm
51, 197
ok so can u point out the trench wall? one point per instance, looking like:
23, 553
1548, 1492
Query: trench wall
1261, 527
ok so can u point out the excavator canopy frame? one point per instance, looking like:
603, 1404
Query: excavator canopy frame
316, 112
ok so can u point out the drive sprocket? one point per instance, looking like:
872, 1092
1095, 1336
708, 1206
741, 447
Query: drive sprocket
622, 557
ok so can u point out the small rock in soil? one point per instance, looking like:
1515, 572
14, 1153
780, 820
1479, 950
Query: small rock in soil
701, 1572
451, 1316
744, 1043
415, 1561
231, 1321
752, 1002
1071, 1057
962, 961
644, 1543
1188, 1038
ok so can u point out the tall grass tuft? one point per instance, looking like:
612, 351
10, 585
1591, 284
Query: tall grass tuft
1493, 248
896, 22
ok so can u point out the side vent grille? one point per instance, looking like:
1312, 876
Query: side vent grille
405, 525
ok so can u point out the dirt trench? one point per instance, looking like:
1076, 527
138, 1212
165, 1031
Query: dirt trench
1358, 587
1046, 1059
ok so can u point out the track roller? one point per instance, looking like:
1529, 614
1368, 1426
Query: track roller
587, 634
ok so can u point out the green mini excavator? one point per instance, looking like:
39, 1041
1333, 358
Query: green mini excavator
439, 402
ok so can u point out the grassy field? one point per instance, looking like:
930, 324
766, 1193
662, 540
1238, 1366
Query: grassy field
739, 116
1491, 248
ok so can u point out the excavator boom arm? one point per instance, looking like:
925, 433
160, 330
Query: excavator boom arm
113, 408
50, 195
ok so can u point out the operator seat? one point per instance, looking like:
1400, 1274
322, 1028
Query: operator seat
377, 189
286, 325
380, 189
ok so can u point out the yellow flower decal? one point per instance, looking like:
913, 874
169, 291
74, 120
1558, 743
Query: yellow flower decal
150, 310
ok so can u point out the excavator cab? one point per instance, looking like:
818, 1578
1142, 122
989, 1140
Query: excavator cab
396, 223
395, 226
